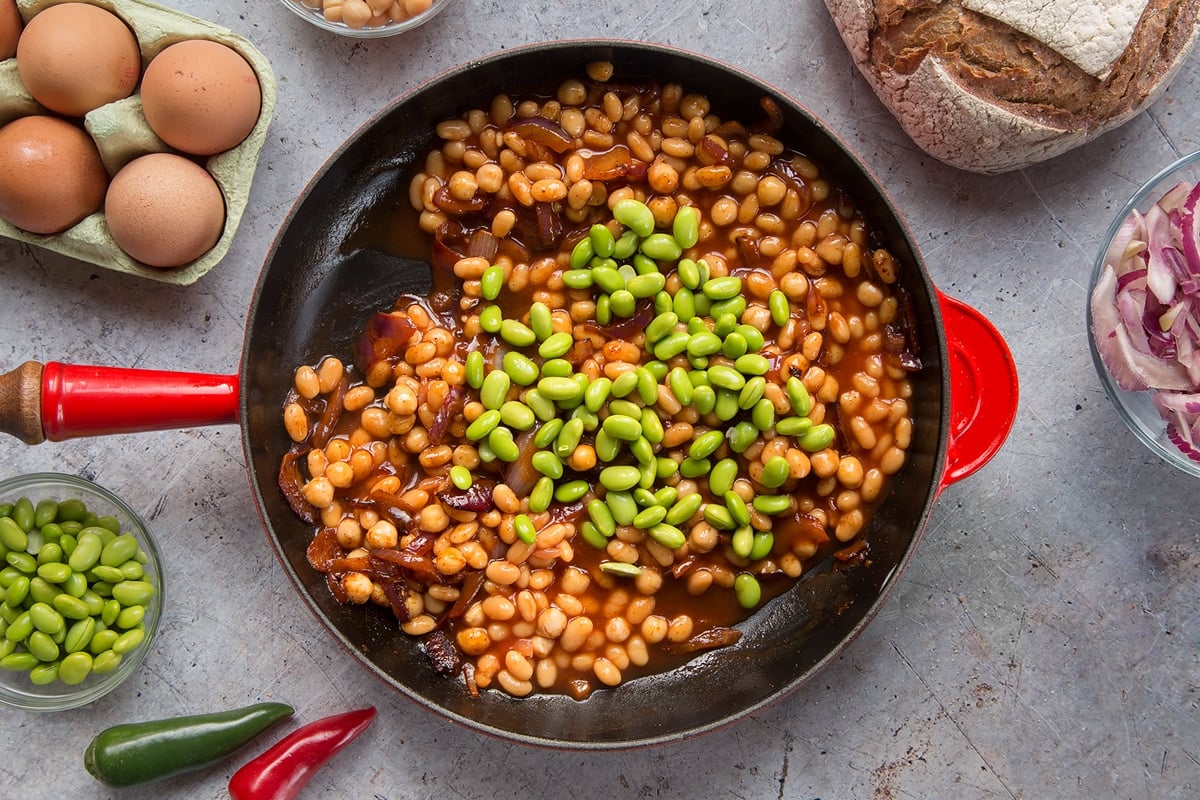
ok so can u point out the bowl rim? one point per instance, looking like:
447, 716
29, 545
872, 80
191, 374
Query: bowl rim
89, 691
382, 32
1126, 402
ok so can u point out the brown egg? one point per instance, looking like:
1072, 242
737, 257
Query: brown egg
51, 175
10, 28
164, 210
75, 57
201, 97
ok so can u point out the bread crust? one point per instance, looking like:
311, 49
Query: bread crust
981, 95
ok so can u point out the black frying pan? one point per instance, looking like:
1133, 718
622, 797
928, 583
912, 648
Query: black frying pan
327, 272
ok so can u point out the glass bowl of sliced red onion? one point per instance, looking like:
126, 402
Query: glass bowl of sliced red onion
1144, 313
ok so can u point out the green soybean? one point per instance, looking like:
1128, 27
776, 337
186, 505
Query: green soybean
133, 593
22, 561
668, 536
619, 478
683, 509
763, 542
542, 406
772, 504
502, 443
547, 463
602, 239
686, 226
560, 389
742, 541
556, 345
582, 253
70, 607
626, 246
592, 535
474, 369
517, 415
798, 396
704, 344
460, 476
661, 325
816, 438
652, 427
541, 495
547, 433
724, 288
491, 318
752, 392
724, 377
763, 415
661, 247
541, 320
723, 474
23, 513
11, 535
704, 399
777, 304
42, 646
603, 310
648, 285
775, 472
737, 508
793, 426
44, 674
568, 438
571, 491
706, 444
577, 278
649, 517
635, 215
619, 568
619, 426
496, 389
734, 345
622, 506
102, 640
607, 448
87, 552
74, 668
523, 528
491, 282
602, 517
106, 662
694, 468
671, 345
517, 333
747, 590
483, 425
727, 405
684, 304
45, 618
20, 661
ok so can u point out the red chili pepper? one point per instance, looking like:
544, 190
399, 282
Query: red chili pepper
288, 765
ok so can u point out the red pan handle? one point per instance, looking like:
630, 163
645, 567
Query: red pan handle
983, 389
61, 401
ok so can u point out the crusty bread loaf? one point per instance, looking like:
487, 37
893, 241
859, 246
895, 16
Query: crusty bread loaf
996, 85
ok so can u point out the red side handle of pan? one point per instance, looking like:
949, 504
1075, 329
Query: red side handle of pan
983, 389
62, 401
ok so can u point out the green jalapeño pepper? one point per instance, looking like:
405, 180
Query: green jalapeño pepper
143, 752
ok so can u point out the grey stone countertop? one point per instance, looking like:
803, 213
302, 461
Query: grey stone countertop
1043, 643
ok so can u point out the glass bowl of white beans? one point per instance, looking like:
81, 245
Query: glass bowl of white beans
80, 592
367, 19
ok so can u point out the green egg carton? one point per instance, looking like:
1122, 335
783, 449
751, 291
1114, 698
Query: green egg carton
122, 134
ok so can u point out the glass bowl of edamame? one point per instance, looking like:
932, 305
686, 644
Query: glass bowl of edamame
81, 591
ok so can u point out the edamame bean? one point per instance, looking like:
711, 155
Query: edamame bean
671, 345
777, 304
661, 247
816, 438
106, 574
17, 591
603, 310
557, 344
742, 541
649, 517
44, 674
517, 415
22, 561
752, 364
45, 618
577, 278
101, 641
592, 535
619, 478
763, 415
42, 646
724, 288
133, 593
571, 491
474, 369
619, 568
683, 509
500, 440
12, 536
460, 476
704, 343
582, 253
72, 510
622, 506
686, 226
491, 318
45, 511
668, 536
86, 553
106, 662
635, 215
560, 390
647, 385
741, 436
648, 285
706, 444
55, 571
602, 517
694, 468
568, 438
602, 239
23, 513
541, 321
727, 405
684, 304
798, 396
652, 427
747, 590
752, 392
608, 279
542, 495
772, 504
483, 425
626, 246
131, 617
704, 399
723, 474
737, 508
723, 377
21, 661
775, 472
543, 407
547, 433
491, 282
622, 427
20, 628
793, 426
75, 667
734, 345
623, 303
607, 448
547, 464
517, 333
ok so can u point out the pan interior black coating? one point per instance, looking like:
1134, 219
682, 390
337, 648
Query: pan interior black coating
313, 298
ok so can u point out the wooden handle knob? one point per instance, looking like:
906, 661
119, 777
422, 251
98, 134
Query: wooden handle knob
21, 403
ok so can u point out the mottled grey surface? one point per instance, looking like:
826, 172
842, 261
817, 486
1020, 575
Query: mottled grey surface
1042, 644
